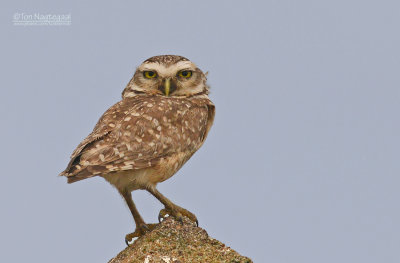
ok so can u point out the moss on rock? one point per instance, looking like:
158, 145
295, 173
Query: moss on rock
173, 242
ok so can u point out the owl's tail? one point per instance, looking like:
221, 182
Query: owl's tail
75, 177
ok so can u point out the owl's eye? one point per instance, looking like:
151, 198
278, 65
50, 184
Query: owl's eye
149, 74
185, 74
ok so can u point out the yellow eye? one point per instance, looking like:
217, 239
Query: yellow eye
185, 74
149, 74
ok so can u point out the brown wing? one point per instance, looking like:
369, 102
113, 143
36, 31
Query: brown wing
102, 128
137, 133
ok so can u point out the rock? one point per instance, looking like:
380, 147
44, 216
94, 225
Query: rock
174, 242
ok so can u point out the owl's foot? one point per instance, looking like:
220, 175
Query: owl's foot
139, 231
177, 212
171, 209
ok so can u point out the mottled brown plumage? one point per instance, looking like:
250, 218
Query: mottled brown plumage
162, 120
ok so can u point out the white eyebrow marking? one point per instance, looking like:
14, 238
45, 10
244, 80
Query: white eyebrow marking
162, 70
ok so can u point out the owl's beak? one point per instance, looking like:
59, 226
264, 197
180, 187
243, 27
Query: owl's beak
168, 86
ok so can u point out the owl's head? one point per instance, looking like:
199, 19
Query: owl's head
167, 75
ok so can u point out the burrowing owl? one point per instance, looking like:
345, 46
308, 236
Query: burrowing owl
162, 120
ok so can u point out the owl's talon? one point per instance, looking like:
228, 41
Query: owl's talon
179, 218
164, 213
139, 231
130, 240
178, 213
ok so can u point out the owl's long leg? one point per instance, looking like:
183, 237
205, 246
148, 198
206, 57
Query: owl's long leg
171, 208
141, 226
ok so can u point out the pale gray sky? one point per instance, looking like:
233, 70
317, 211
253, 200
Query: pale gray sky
302, 164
